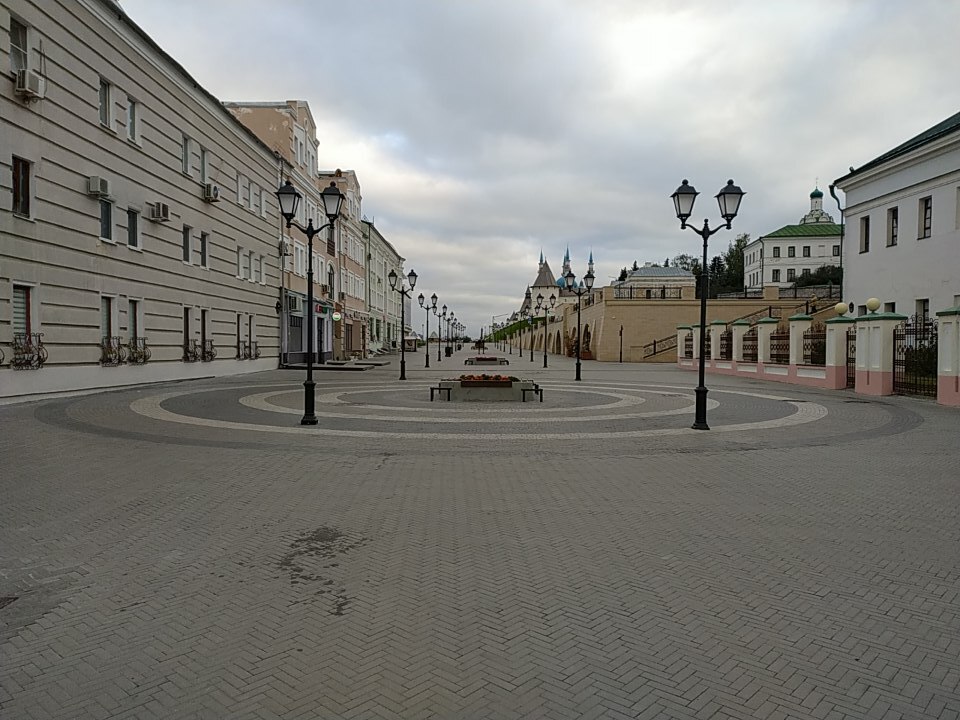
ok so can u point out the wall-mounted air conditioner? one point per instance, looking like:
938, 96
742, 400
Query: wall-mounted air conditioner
98, 186
211, 192
29, 84
159, 212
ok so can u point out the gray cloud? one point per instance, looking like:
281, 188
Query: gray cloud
484, 131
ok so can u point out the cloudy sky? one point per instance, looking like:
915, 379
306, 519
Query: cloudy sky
485, 131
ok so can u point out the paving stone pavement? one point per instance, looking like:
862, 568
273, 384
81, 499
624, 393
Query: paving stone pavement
190, 551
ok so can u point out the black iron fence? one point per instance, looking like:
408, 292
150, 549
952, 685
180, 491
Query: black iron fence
780, 348
138, 352
726, 345
645, 293
708, 345
28, 351
852, 357
112, 351
750, 345
915, 346
688, 346
815, 345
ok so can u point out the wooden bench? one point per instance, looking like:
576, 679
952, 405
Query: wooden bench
536, 390
440, 390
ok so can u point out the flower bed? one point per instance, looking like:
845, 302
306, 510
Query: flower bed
486, 380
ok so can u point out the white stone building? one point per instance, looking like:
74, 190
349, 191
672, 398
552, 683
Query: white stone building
382, 302
135, 211
903, 225
781, 257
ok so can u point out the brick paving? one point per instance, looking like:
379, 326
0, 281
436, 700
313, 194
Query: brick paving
581, 558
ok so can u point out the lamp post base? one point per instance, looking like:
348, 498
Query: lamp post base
578, 369
700, 417
309, 416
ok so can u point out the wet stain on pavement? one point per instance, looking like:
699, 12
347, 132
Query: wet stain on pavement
307, 564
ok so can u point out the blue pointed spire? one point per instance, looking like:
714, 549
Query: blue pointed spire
541, 256
566, 257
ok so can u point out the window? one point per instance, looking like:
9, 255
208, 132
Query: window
890, 307
776, 252
132, 119
926, 217
185, 154
106, 316
836, 251
791, 274
257, 268
203, 165
106, 220
21, 187
893, 226
18, 46
263, 271
204, 259
133, 319
776, 276
239, 262
805, 271
923, 309
133, 228
861, 310
239, 189
251, 261
106, 118
186, 326
806, 251
245, 266
791, 251
865, 234
21, 310
187, 249
263, 204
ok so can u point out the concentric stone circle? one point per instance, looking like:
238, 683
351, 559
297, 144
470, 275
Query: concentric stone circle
370, 410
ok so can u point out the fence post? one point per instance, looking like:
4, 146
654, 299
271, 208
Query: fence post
682, 331
715, 329
799, 324
875, 350
948, 356
836, 363
739, 328
765, 328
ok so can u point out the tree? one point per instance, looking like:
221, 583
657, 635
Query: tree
823, 275
685, 262
623, 275
635, 266
666, 263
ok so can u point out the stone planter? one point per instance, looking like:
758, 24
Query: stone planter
485, 390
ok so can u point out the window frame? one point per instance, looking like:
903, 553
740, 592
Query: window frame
21, 187
186, 162
133, 213
836, 251
893, 226
776, 251
805, 251
28, 300
105, 103
791, 251
204, 249
133, 120
925, 218
864, 234
106, 221
186, 244
17, 52
791, 274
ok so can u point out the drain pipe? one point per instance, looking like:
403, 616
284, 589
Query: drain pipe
833, 194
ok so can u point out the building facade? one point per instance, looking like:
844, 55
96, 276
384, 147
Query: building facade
903, 225
290, 130
138, 222
383, 321
781, 257
350, 334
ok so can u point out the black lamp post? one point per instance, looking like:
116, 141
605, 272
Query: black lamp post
451, 323
530, 316
289, 199
584, 286
729, 199
443, 322
437, 314
404, 293
546, 309
428, 308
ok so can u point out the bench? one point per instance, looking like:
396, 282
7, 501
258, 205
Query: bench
440, 390
536, 390
497, 361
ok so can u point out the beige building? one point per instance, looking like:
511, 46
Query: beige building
383, 322
290, 130
138, 224
350, 338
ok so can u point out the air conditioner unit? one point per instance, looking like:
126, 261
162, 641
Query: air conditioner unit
98, 186
343, 296
284, 248
29, 84
159, 212
211, 192
324, 288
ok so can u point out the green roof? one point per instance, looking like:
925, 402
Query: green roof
807, 230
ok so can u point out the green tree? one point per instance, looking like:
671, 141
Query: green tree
623, 275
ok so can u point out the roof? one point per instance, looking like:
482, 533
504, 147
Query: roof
544, 277
662, 272
948, 126
807, 230
817, 193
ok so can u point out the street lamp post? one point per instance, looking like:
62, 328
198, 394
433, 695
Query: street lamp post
729, 199
289, 199
530, 316
584, 286
404, 293
443, 321
433, 306
546, 309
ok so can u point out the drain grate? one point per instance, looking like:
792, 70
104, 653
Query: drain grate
4, 601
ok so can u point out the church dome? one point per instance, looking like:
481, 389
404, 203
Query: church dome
816, 193
561, 282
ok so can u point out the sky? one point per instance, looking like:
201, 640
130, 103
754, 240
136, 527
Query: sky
486, 131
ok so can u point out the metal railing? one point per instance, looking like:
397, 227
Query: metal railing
780, 348
28, 351
815, 345
251, 351
688, 346
641, 293
208, 352
138, 352
750, 345
191, 350
656, 347
112, 351
726, 345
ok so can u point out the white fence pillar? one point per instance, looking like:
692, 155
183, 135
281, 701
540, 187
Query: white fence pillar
799, 324
740, 328
875, 352
837, 351
765, 328
948, 356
